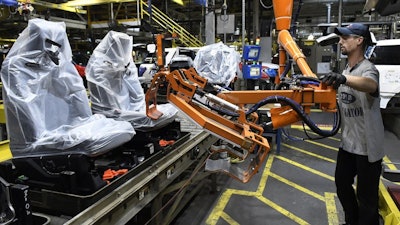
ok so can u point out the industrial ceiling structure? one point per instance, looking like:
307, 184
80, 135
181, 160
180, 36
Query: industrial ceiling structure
92, 19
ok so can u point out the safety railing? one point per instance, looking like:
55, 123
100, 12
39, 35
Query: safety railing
168, 24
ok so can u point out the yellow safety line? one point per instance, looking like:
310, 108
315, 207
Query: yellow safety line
217, 211
283, 211
331, 209
229, 219
298, 127
264, 176
334, 138
316, 110
309, 169
389, 163
309, 153
322, 145
298, 187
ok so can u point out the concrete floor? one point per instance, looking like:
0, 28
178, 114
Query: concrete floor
294, 187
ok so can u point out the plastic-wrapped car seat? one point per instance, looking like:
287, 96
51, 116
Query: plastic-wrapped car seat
47, 107
114, 86
218, 63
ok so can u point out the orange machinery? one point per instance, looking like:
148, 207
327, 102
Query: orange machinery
225, 114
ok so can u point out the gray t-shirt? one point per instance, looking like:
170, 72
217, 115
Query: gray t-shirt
362, 126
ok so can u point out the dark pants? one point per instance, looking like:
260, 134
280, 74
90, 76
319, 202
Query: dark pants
360, 206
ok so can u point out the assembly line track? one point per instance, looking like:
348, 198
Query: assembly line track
123, 203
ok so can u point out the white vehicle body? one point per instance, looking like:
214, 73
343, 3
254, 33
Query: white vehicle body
386, 58
150, 62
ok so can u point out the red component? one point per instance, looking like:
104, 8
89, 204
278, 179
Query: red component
80, 69
395, 194
164, 143
110, 174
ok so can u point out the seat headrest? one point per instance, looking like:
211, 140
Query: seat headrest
116, 47
43, 35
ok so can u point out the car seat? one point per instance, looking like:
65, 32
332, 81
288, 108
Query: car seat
114, 86
47, 108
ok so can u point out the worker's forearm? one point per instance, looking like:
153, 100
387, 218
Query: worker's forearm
363, 84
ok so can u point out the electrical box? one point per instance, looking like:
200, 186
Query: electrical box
252, 71
251, 52
251, 66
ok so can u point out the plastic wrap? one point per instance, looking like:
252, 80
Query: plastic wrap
114, 86
46, 104
218, 63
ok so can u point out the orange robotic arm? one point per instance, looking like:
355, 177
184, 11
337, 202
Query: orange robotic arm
240, 131
225, 115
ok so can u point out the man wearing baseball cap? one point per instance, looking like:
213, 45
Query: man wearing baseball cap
361, 149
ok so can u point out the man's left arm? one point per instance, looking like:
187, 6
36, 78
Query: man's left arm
364, 84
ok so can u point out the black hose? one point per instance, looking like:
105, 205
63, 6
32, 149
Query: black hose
294, 19
309, 79
301, 113
287, 68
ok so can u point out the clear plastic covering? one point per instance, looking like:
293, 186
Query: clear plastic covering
46, 103
218, 63
114, 86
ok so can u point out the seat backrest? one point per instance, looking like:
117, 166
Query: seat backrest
44, 95
112, 76
115, 89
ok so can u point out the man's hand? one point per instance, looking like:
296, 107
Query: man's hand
335, 79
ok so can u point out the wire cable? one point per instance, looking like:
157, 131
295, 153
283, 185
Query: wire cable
265, 6
299, 110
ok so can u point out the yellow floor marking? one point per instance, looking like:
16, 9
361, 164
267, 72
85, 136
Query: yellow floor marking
224, 199
219, 208
282, 211
331, 210
389, 163
311, 170
229, 219
297, 127
309, 153
334, 138
264, 176
316, 110
298, 187
218, 213
322, 145
319, 144
321, 127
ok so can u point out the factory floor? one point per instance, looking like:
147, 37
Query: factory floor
295, 186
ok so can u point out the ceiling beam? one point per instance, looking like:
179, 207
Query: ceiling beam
54, 6
75, 24
75, 3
